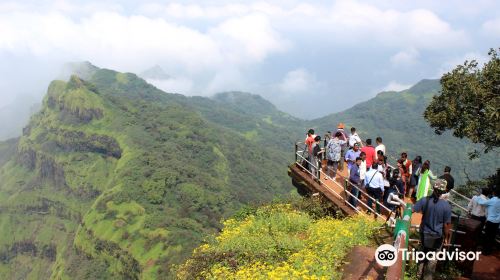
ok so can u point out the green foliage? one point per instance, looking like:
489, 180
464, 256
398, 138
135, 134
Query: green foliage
115, 172
277, 241
155, 190
469, 103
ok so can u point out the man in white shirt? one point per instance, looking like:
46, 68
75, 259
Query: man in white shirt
362, 168
477, 211
354, 138
374, 182
380, 146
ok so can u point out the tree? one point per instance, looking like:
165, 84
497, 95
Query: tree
469, 103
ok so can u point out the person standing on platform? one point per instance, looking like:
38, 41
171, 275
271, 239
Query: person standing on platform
380, 146
369, 152
333, 154
343, 137
424, 180
350, 157
449, 179
354, 138
477, 211
362, 172
310, 140
409, 169
355, 180
416, 165
374, 183
435, 226
316, 156
492, 220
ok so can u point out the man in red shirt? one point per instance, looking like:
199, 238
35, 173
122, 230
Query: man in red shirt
310, 140
370, 152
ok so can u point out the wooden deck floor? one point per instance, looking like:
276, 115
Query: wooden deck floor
335, 191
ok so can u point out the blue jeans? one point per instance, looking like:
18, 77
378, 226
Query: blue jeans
355, 194
376, 194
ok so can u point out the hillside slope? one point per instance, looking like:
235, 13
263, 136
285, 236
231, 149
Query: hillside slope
114, 178
398, 118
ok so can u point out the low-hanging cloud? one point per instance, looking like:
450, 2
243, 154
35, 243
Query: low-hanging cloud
137, 42
347, 46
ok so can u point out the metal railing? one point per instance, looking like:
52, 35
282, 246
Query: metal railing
452, 192
317, 167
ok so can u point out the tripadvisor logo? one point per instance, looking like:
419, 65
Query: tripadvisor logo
386, 255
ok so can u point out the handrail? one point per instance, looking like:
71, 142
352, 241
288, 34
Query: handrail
355, 197
458, 205
452, 190
459, 194
303, 149
318, 167
366, 194
320, 182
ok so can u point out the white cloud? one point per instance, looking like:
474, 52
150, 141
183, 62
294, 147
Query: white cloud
238, 45
405, 58
492, 27
133, 43
298, 80
226, 79
395, 86
248, 38
181, 85
346, 21
418, 28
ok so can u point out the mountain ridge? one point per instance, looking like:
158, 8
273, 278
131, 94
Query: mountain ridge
122, 180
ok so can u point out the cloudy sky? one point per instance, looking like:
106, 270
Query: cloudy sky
310, 58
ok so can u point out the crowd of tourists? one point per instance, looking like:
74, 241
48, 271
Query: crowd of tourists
368, 171
368, 168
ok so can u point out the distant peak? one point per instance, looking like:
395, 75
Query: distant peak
75, 82
155, 73
83, 69
425, 86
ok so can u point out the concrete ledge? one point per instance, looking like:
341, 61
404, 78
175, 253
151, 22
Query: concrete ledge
361, 264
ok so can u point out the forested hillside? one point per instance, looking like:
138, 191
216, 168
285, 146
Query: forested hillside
114, 178
398, 118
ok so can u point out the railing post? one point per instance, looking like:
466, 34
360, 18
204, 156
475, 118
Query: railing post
401, 238
318, 170
296, 151
345, 192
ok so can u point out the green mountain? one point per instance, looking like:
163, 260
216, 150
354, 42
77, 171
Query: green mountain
253, 117
398, 118
114, 178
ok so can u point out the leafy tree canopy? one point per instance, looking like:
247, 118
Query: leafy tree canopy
469, 103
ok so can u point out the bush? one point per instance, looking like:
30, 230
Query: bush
278, 241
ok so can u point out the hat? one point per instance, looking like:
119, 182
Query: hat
356, 144
341, 125
440, 184
311, 131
